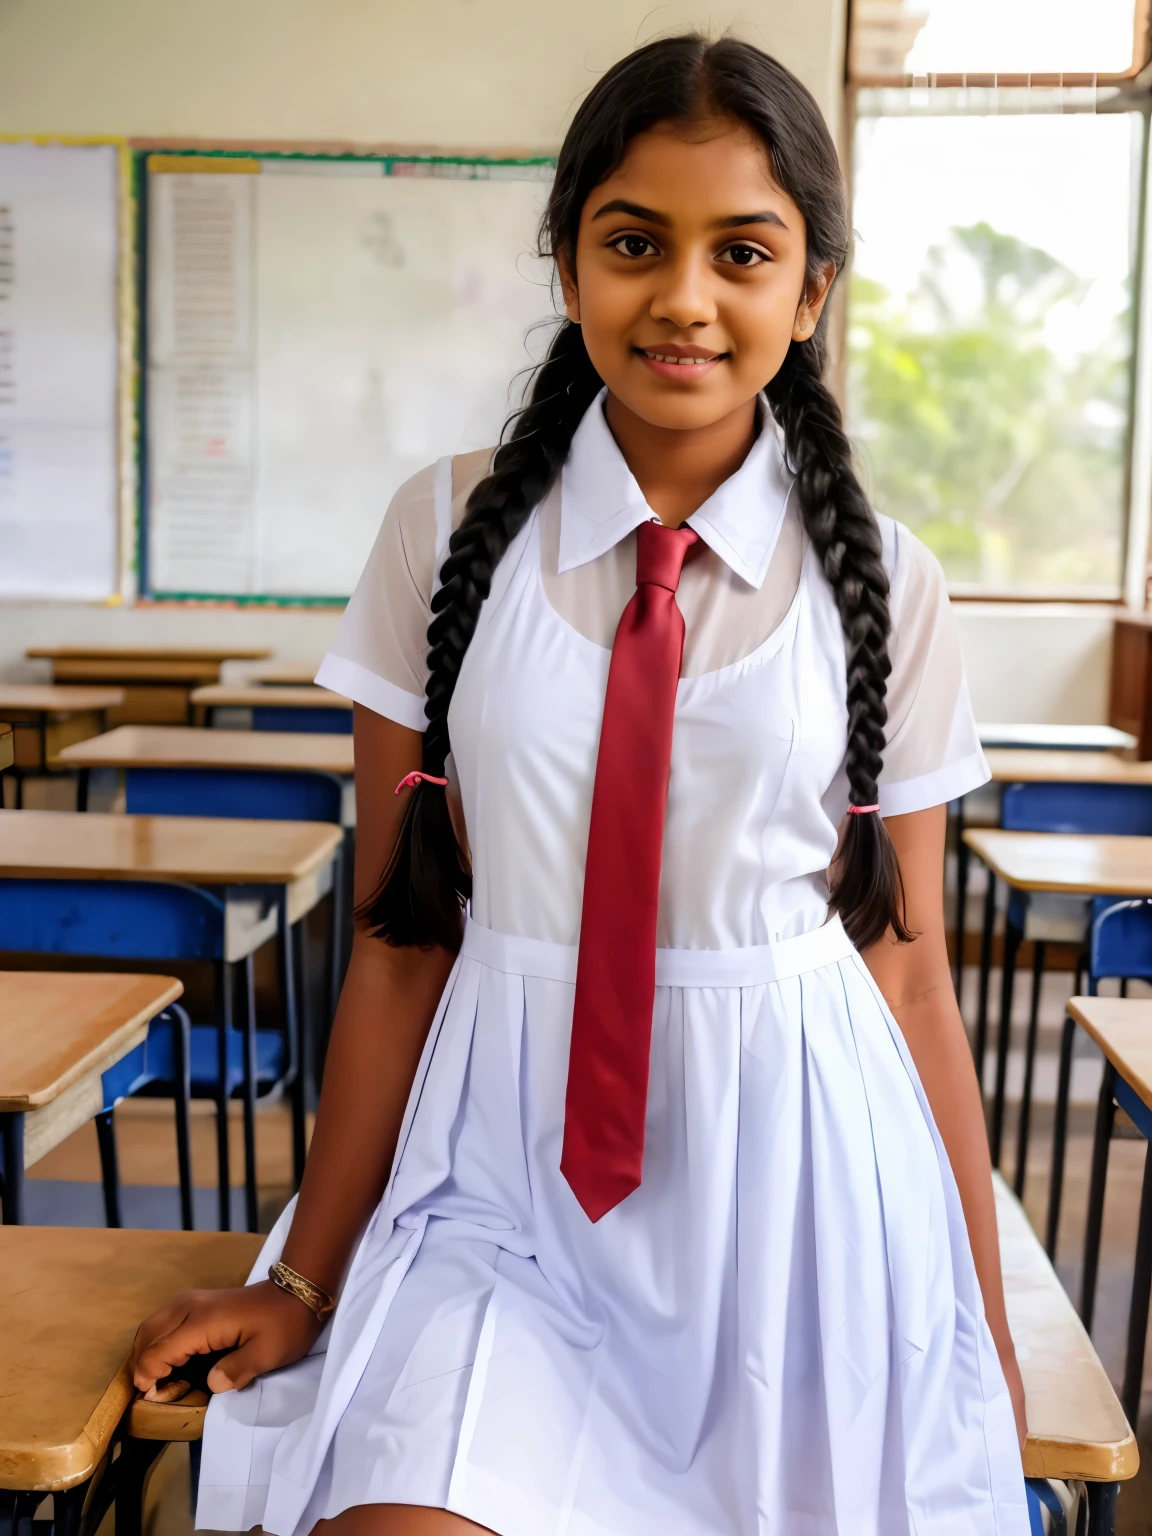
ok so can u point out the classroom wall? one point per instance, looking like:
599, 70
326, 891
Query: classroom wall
482, 73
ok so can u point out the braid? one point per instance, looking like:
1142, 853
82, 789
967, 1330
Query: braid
426, 882
866, 887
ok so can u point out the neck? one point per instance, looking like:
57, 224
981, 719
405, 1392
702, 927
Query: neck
679, 468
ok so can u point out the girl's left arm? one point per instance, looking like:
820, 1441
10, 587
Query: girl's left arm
916, 981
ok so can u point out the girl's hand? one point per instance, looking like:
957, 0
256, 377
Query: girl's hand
1016, 1391
263, 1327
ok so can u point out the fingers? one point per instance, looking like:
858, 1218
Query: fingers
239, 1368
196, 1327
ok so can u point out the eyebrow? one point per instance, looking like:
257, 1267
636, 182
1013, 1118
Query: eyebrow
734, 221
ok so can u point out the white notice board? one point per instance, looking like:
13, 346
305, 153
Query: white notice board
58, 370
317, 332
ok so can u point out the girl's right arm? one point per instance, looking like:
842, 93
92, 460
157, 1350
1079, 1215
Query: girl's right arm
386, 1007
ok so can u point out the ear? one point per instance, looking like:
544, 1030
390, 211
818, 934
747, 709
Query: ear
812, 301
568, 287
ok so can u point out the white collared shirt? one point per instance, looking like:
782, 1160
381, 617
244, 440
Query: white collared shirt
733, 596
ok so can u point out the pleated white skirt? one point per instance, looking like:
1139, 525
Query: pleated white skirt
780, 1332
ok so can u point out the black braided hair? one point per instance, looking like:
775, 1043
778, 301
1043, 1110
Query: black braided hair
685, 79
421, 896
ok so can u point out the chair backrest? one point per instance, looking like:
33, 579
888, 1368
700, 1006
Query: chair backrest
256, 793
325, 722
115, 919
1121, 941
1120, 809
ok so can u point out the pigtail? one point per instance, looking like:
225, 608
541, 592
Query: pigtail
866, 887
426, 883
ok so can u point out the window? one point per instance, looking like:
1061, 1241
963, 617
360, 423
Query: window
992, 298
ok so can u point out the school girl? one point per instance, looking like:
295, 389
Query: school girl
649, 1179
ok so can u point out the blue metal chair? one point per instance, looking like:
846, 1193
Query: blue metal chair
262, 795
1119, 947
287, 717
1116, 809
146, 920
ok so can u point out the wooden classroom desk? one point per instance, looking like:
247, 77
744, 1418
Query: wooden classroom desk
59, 1033
71, 1299
1060, 863
1061, 738
188, 850
1122, 1028
1071, 863
7, 751
48, 717
157, 680
264, 695
270, 673
1076, 1426
172, 746
1022, 765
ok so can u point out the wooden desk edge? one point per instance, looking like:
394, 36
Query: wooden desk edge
1072, 1459
55, 1468
137, 1024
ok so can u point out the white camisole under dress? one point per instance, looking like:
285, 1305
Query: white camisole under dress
780, 1333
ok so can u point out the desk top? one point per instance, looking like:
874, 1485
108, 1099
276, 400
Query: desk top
55, 1026
1019, 765
1060, 738
1122, 1028
184, 746
1076, 1427
193, 850
240, 672
148, 653
58, 698
265, 696
1073, 863
72, 1299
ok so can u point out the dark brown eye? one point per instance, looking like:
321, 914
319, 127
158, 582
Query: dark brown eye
633, 245
743, 255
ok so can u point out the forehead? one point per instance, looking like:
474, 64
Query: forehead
706, 169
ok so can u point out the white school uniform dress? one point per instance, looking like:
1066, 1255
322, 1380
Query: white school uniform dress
780, 1333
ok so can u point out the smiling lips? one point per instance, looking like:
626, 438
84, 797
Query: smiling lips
680, 356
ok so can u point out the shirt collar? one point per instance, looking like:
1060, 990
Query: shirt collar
601, 503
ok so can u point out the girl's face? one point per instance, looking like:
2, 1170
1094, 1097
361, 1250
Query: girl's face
691, 250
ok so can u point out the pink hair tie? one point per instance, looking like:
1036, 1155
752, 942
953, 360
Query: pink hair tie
861, 810
410, 780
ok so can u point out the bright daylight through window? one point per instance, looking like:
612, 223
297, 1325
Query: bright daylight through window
990, 318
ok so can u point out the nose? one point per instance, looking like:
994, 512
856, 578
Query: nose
683, 294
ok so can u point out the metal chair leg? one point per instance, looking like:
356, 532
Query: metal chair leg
223, 1035
251, 1196
980, 1042
133, 1465
67, 1510
1012, 940
962, 859
177, 1017
1105, 1118
109, 1167
285, 946
12, 1160
1039, 950
1138, 1307
1059, 1136
1102, 1508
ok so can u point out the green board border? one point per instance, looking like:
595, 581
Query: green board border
140, 157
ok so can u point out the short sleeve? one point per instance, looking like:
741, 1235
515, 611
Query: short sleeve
378, 656
933, 751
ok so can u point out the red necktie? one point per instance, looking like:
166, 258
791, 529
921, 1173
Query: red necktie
616, 966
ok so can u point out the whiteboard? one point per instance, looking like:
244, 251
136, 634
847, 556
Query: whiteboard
318, 331
58, 370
